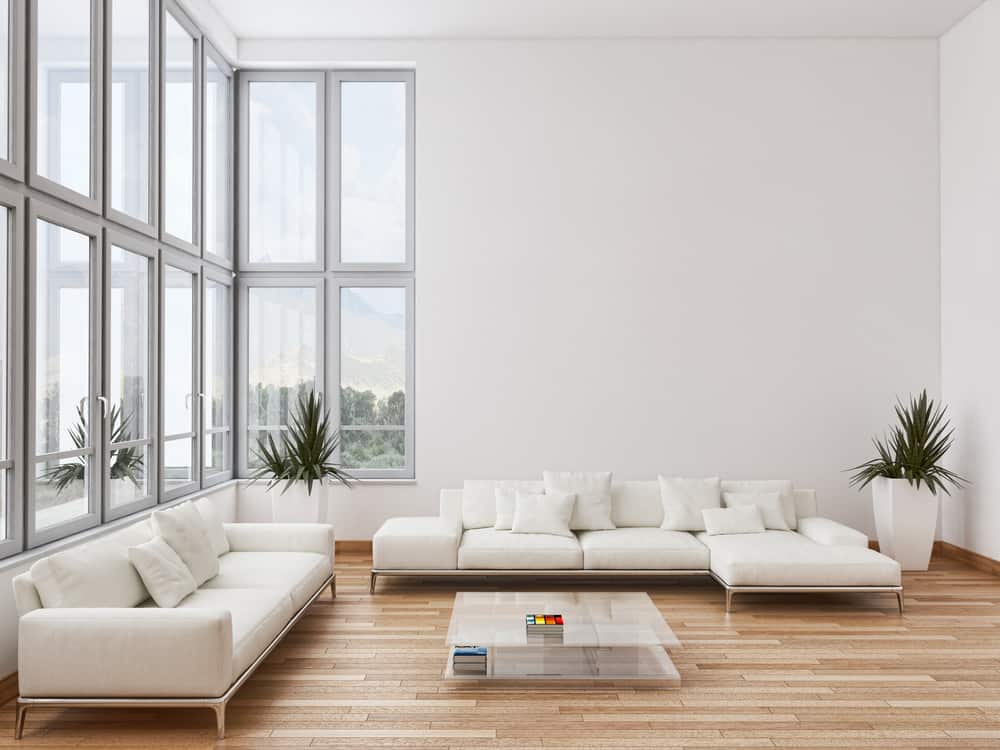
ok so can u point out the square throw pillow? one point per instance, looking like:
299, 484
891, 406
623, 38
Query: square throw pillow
543, 514
213, 525
767, 503
781, 486
684, 500
184, 530
592, 511
505, 508
742, 520
165, 575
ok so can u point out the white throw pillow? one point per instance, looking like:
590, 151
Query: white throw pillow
768, 504
543, 514
213, 525
165, 575
684, 500
782, 486
505, 508
184, 529
592, 511
742, 520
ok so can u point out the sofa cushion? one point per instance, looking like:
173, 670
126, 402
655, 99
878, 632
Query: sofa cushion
642, 549
543, 514
828, 531
592, 510
781, 486
785, 558
95, 574
479, 502
299, 574
184, 529
422, 543
258, 616
213, 525
165, 575
636, 503
768, 505
685, 498
490, 549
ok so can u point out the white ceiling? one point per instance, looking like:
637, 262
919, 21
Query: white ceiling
499, 19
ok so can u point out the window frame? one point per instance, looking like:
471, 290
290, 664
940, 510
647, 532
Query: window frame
14, 413
336, 284
93, 202
224, 278
228, 202
150, 228
333, 203
13, 166
147, 249
246, 283
91, 228
181, 17
291, 76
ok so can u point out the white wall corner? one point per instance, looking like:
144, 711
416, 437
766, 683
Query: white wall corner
214, 26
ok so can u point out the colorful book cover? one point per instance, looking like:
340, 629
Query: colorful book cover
470, 651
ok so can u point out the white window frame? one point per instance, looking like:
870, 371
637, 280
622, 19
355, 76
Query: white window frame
228, 199
299, 76
150, 228
93, 201
15, 299
13, 166
335, 79
224, 278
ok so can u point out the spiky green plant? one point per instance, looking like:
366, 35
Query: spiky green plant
126, 463
913, 449
306, 451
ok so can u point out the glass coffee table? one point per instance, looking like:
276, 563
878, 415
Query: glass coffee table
604, 636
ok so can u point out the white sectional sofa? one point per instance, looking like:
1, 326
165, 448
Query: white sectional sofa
89, 634
819, 554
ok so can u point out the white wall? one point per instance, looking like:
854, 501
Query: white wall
970, 272
696, 257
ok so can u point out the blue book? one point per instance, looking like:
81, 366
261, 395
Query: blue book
470, 651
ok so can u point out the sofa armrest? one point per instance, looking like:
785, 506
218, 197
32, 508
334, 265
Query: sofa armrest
421, 543
281, 537
143, 652
830, 532
451, 509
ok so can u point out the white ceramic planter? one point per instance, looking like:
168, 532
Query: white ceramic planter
905, 519
296, 505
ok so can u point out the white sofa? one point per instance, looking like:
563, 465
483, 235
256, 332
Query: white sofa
89, 634
818, 555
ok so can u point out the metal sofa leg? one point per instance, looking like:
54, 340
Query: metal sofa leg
371, 587
220, 719
21, 711
729, 599
899, 599
333, 587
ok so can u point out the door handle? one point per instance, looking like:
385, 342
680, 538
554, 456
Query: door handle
104, 406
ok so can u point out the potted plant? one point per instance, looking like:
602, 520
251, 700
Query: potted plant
905, 477
302, 464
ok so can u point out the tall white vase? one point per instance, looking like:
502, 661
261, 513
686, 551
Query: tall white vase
905, 519
296, 505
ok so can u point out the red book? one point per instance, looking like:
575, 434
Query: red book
559, 620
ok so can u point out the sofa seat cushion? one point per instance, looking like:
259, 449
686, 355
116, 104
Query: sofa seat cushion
490, 549
258, 616
785, 558
429, 543
642, 549
298, 574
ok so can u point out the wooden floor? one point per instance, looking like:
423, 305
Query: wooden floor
781, 671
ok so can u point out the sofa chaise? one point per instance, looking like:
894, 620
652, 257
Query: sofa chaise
89, 634
817, 555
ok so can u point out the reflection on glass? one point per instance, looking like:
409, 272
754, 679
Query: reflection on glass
63, 95
177, 463
128, 476
129, 345
216, 453
178, 350
4, 79
61, 490
282, 172
178, 124
281, 360
373, 172
216, 349
62, 338
217, 121
130, 121
373, 376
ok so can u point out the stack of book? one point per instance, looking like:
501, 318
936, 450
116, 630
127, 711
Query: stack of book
469, 660
544, 627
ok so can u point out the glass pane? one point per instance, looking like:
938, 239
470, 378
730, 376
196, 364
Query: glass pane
373, 449
129, 475
216, 453
129, 345
178, 352
178, 137
129, 136
7, 291
254, 437
217, 351
373, 172
62, 338
177, 463
4, 531
4, 79
282, 351
217, 120
63, 47
282, 172
61, 490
